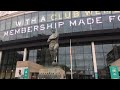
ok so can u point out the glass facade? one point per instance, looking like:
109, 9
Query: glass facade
82, 60
8, 63
41, 22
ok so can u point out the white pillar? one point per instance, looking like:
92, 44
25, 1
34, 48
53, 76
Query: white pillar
25, 54
94, 60
0, 56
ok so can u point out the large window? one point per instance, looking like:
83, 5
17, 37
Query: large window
81, 59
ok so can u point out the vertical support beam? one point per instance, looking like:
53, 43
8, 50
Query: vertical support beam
94, 60
25, 54
0, 56
0, 61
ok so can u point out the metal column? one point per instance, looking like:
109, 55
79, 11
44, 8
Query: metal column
94, 60
25, 54
0, 56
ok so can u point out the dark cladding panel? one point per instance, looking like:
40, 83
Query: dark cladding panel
98, 24
85, 25
67, 29
106, 22
75, 25
116, 20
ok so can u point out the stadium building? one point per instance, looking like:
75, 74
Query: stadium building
94, 35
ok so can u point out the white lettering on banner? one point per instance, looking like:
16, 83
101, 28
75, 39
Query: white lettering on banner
43, 19
60, 24
53, 17
81, 21
5, 33
27, 21
111, 18
67, 15
91, 20
19, 23
29, 29
107, 12
68, 23
49, 25
88, 13
98, 20
11, 32
76, 14
98, 12
42, 27
59, 16
23, 30
36, 28
17, 31
34, 20
119, 17
55, 25
73, 23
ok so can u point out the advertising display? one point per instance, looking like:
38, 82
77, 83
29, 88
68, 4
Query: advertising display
114, 72
22, 73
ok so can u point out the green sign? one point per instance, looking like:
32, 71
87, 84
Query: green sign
96, 75
26, 73
114, 72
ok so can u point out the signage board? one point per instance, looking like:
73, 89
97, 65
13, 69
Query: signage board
114, 72
22, 73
